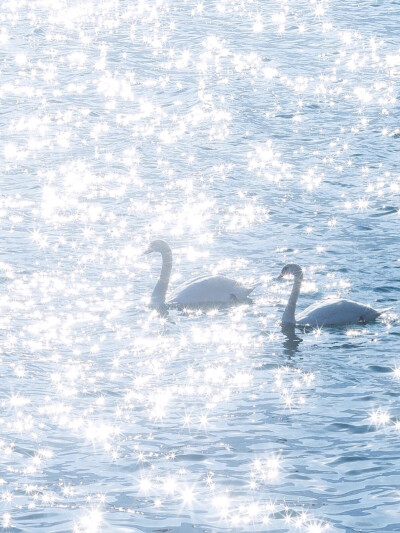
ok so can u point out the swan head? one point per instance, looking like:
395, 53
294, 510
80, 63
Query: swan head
158, 246
291, 269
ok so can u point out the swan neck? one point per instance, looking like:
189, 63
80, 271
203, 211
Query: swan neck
290, 309
160, 290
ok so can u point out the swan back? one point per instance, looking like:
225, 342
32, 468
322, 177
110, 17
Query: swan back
336, 312
210, 290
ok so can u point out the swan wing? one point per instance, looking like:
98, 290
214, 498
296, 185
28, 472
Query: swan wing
209, 290
336, 313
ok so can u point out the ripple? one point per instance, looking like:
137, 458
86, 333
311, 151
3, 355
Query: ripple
381, 369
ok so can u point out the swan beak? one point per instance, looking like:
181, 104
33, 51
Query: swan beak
148, 251
281, 276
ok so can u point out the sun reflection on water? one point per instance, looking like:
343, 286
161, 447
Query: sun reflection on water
245, 133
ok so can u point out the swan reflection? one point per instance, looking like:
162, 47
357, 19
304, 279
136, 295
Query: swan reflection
291, 341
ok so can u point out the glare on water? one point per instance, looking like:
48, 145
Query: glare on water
248, 135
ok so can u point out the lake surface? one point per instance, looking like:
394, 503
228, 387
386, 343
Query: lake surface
247, 134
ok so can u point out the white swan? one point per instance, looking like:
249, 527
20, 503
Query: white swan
335, 312
205, 290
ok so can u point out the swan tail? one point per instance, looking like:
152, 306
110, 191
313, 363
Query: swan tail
376, 314
249, 291
383, 311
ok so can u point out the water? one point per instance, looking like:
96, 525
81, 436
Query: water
247, 134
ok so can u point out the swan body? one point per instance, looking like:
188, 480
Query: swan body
209, 289
201, 291
334, 312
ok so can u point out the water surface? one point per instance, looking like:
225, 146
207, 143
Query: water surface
247, 134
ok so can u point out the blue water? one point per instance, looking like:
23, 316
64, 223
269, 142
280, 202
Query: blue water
246, 134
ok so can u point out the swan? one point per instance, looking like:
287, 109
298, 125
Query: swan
334, 312
204, 290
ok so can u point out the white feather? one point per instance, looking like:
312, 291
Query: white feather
208, 290
336, 313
